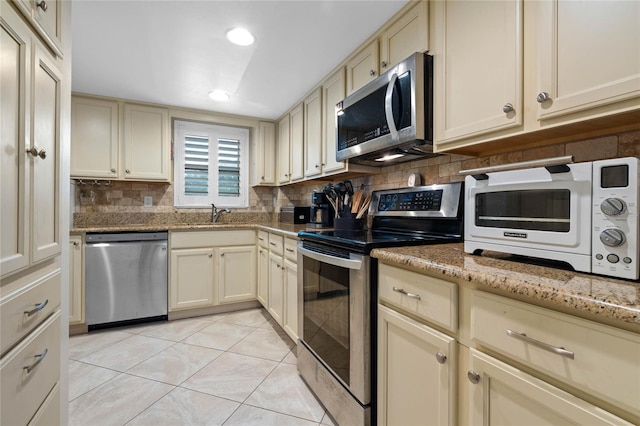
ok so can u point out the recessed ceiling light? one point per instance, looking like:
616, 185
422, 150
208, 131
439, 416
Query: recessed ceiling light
219, 95
240, 36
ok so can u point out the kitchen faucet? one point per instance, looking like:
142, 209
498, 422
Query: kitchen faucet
215, 212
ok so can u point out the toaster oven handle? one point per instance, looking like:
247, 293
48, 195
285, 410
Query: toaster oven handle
388, 106
331, 260
545, 162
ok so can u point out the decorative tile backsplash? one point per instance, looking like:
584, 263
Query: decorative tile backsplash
128, 197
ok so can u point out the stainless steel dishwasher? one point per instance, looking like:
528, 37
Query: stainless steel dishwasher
125, 278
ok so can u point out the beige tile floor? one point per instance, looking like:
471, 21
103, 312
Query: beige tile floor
229, 369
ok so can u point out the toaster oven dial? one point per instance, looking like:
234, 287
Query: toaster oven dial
613, 206
612, 237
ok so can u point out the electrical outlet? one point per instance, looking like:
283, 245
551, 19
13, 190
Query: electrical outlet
148, 201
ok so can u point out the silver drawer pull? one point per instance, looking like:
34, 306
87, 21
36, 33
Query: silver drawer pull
272, 243
547, 347
406, 293
38, 307
289, 250
38, 361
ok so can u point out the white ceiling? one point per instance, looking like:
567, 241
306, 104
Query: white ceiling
175, 52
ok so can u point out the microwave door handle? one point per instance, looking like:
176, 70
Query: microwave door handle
388, 106
335, 261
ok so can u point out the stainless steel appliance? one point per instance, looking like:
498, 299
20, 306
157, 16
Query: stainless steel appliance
291, 214
336, 355
322, 212
389, 120
583, 214
125, 278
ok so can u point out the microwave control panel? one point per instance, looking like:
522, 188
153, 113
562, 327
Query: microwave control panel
615, 219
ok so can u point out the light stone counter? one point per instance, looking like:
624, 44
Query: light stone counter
610, 300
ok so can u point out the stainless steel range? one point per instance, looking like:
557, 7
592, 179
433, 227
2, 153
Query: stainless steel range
337, 352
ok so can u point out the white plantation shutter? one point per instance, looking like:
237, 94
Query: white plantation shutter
210, 165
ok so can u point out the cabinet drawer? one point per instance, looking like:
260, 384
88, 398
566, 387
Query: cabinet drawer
430, 298
24, 392
276, 243
263, 239
214, 238
291, 249
15, 323
605, 359
49, 411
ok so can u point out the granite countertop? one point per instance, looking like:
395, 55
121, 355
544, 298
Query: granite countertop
609, 298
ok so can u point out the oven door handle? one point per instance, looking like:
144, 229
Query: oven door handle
331, 260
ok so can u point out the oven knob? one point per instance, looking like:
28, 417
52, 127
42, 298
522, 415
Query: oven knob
613, 206
612, 237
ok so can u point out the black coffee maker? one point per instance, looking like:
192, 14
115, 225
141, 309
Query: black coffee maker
322, 211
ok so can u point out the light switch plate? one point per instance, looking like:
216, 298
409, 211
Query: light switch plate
148, 201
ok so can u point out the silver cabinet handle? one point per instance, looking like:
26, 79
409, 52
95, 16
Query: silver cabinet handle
507, 108
42, 154
210, 255
221, 254
442, 358
406, 293
42, 5
473, 377
547, 347
372, 73
383, 64
542, 97
317, 166
272, 243
37, 361
262, 178
289, 250
38, 307
113, 170
75, 243
33, 151
127, 171
261, 239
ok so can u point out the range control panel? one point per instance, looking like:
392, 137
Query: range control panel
419, 201
442, 200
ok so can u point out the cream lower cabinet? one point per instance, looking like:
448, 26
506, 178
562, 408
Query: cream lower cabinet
276, 287
416, 372
290, 322
500, 394
76, 280
263, 276
236, 277
206, 269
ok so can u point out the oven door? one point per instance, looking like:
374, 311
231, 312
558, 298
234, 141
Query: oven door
532, 208
336, 314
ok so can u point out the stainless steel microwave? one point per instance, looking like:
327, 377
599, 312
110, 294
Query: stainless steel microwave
389, 120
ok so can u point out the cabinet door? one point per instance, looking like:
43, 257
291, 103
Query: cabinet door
416, 372
94, 138
284, 151
191, 282
333, 91
47, 15
313, 134
263, 277
500, 395
76, 282
146, 144
363, 67
15, 62
45, 138
276, 287
236, 274
296, 136
407, 35
589, 54
478, 67
290, 324
266, 153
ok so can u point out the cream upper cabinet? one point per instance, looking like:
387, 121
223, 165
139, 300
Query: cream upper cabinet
284, 147
94, 138
296, 135
121, 141
589, 55
191, 279
236, 274
76, 280
416, 372
405, 36
362, 67
45, 140
313, 134
478, 67
146, 145
503, 395
265, 155
333, 91
46, 18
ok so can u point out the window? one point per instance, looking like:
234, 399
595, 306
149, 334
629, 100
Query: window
210, 165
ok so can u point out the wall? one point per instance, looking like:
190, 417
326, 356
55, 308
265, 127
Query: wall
128, 197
